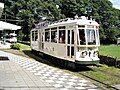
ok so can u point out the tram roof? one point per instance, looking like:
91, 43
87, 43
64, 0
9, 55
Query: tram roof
69, 21
75, 21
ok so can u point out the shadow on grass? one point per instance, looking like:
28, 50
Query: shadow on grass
49, 61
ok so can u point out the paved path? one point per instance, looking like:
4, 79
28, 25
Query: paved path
21, 73
6, 45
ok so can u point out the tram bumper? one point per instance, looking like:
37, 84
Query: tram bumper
88, 61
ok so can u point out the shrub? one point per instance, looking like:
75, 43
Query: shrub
15, 46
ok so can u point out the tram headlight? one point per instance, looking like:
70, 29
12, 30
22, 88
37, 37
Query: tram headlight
96, 53
83, 54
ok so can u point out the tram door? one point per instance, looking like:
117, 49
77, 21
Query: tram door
40, 40
42, 47
70, 43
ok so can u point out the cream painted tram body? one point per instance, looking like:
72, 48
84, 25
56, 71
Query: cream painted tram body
72, 40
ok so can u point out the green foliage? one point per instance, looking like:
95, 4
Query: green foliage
20, 36
24, 46
15, 46
30, 12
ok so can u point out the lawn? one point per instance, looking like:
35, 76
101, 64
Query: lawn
24, 47
20, 52
110, 50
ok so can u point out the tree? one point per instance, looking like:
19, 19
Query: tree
33, 11
72, 7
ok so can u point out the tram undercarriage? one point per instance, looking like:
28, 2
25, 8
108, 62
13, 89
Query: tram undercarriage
65, 63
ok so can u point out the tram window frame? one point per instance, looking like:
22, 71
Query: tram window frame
47, 35
62, 36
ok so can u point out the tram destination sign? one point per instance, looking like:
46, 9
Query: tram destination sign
41, 25
90, 26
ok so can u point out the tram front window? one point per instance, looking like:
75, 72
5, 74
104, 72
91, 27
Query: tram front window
91, 37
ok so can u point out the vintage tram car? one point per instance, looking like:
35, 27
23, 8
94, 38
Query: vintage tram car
73, 40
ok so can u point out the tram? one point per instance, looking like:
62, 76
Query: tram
73, 40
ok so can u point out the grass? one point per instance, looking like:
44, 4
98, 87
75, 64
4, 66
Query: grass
19, 52
24, 47
110, 50
108, 69
102, 77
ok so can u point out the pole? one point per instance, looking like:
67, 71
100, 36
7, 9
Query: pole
4, 41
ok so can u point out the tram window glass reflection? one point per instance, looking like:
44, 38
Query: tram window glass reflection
36, 35
62, 36
82, 36
47, 36
90, 36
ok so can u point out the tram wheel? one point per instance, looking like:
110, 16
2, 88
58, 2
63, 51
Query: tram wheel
70, 65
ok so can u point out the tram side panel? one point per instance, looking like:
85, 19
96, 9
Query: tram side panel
58, 50
55, 49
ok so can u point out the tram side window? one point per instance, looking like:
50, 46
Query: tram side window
72, 52
68, 41
72, 37
42, 36
62, 36
82, 36
54, 36
36, 35
47, 36
32, 35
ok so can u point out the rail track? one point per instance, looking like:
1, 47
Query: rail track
107, 85
96, 80
108, 73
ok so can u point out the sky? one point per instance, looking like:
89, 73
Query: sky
116, 3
